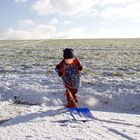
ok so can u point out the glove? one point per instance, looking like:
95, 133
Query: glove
58, 72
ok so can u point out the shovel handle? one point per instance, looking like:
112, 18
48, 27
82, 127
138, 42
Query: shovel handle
72, 99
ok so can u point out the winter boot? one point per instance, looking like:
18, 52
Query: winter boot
70, 105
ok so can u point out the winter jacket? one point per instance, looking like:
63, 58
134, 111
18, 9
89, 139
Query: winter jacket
70, 73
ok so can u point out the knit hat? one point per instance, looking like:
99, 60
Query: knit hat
68, 53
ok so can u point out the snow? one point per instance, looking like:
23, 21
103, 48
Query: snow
32, 108
32, 95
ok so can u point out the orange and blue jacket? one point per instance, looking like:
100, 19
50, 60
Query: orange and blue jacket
70, 73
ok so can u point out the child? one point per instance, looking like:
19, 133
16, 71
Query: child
69, 69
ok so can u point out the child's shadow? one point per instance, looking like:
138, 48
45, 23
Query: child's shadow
31, 117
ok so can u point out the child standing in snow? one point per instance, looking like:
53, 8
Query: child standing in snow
69, 69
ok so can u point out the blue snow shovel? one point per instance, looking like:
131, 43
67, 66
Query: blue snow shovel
80, 114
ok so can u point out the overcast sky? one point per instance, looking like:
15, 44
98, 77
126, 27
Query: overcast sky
49, 19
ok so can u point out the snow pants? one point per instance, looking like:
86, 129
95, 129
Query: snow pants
73, 92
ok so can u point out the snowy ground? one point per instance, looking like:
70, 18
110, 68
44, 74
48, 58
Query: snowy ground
49, 120
32, 95
41, 122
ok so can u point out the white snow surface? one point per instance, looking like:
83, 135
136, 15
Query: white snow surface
32, 108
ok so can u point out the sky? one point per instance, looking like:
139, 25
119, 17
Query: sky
65, 19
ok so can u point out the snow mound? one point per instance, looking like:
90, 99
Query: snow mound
49, 90
27, 96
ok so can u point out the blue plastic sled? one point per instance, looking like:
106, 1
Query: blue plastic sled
81, 114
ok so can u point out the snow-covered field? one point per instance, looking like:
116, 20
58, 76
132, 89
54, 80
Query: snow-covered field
32, 95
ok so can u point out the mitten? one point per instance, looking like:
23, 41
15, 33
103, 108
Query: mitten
59, 73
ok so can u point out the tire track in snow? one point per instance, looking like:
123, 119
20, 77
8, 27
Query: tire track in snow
104, 132
122, 134
100, 132
112, 132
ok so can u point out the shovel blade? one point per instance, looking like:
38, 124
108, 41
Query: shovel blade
82, 114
